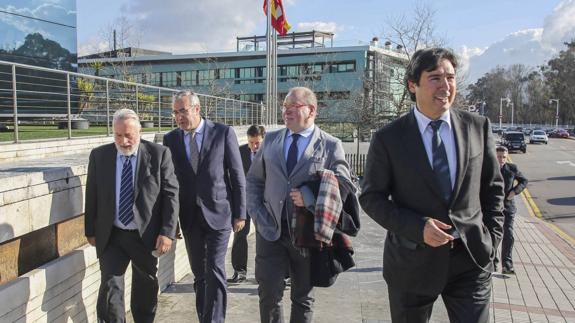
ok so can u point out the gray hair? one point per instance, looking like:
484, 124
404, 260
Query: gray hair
194, 99
308, 95
125, 114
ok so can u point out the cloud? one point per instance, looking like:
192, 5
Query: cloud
531, 47
192, 26
16, 28
331, 27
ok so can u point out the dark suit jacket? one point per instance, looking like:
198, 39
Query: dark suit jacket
511, 174
400, 192
246, 153
219, 187
155, 195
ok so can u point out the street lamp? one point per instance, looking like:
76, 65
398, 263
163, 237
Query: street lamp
512, 113
507, 100
557, 113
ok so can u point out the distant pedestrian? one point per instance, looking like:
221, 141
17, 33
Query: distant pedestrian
515, 183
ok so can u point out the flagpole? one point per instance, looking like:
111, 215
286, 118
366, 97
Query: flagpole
275, 73
268, 62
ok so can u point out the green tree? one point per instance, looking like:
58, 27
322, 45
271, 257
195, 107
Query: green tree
560, 75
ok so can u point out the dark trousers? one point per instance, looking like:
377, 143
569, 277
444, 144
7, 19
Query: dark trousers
240, 249
270, 257
466, 295
206, 249
123, 247
507, 242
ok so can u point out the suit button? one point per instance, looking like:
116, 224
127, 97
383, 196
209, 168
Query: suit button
281, 202
289, 182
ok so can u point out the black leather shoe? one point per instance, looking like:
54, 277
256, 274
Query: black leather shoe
237, 278
508, 272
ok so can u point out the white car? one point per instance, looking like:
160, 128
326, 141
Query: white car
538, 136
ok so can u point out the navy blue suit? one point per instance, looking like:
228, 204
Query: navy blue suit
210, 201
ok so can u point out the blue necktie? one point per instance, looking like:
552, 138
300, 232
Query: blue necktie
125, 212
440, 163
292, 153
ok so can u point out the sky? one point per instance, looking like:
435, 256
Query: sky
484, 33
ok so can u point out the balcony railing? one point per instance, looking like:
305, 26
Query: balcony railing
40, 103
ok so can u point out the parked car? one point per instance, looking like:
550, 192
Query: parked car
538, 136
559, 133
514, 140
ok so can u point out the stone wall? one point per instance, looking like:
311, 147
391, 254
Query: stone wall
48, 273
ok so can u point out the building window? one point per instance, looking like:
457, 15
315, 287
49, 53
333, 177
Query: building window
206, 76
227, 73
169, 79
342, 67
188, 78
154, 79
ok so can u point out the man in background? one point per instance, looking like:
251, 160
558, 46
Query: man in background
240, 245
515, 183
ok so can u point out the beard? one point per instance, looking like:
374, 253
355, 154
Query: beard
127, 151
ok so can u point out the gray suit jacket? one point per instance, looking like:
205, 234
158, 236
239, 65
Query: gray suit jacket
268, 184
155, 195
400, 192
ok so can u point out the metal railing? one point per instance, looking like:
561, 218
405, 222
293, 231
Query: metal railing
33, 97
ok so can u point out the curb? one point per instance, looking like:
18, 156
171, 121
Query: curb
534, 211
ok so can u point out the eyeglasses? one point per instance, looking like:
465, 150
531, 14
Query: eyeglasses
293, 107
182, 111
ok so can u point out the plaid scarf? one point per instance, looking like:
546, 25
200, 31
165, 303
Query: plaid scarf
328, 209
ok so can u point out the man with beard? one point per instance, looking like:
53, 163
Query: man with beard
131, 215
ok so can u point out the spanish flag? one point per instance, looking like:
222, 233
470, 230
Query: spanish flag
279, 20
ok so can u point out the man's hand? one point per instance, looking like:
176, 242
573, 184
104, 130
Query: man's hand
297, 197
163, 244
433, 234
91, 241
511, 195
239, 225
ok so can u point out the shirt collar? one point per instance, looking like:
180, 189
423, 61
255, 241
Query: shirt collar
199, 130
304, 133
423, 121
119, 155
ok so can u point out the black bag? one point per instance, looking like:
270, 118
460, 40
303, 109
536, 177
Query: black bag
327, 263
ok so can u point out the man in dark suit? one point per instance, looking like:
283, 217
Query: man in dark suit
433, 182
131, 215
240, 245
212, 198
511, 175
288, 159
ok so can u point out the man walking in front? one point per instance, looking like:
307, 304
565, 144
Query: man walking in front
212, 199
433, 182
240, 245
276, 181
511, 174
131, 211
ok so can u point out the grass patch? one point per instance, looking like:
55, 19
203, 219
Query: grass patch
52, 131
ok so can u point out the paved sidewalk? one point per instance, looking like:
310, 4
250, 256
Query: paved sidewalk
543, 290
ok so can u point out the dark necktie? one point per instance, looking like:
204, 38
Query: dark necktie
292, 153
440, 163
125, 212
194, 153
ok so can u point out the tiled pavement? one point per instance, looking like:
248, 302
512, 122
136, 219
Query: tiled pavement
543, 290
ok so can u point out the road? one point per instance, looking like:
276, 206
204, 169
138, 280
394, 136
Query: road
551, 173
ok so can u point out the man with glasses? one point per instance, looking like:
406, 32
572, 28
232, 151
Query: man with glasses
286, 161
212, 198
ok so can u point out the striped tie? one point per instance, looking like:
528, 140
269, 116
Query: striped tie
125, 212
